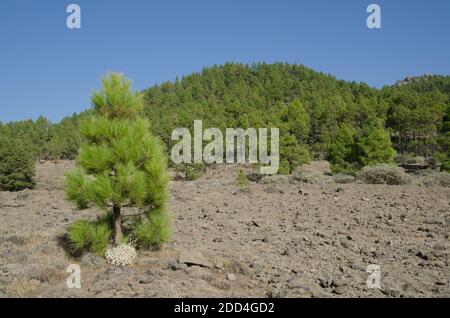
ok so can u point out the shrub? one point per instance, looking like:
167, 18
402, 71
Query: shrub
255, 177
308, 175
384, 174
191, 171
121, 255
435, 179
17, 170
242, 180
344, 178
275, 179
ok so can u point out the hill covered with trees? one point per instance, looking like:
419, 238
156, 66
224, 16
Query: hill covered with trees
319, 116
349, 123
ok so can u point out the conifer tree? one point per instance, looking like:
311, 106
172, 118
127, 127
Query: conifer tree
17, 170
376, 147
120, 165
342, 150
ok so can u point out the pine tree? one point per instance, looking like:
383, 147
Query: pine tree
376, 148
120, 165
17, 169
292, 154
298, 120
342, 150
444, 140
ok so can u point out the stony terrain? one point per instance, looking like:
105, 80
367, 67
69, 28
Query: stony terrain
263, 240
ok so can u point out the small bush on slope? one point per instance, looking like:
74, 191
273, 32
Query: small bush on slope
242, 180
384, 174
435, 179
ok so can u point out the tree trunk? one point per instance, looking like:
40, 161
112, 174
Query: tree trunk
117, 225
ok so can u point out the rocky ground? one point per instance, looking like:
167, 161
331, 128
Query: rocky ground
264, 240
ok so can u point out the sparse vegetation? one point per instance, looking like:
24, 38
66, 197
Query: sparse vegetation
275, 179
434, 179
190, 171
33, 255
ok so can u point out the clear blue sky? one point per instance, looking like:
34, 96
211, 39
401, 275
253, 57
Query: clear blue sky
47, 69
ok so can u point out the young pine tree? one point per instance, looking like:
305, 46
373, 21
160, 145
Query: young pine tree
120, 165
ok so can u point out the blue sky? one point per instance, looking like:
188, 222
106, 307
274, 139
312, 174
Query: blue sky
48, 69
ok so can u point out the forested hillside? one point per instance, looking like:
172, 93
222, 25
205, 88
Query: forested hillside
351, 124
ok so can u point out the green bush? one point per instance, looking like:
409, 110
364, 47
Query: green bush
384, 174
242, 180
17, 165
